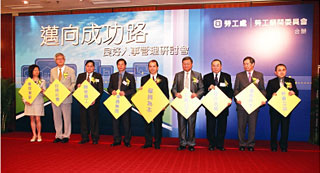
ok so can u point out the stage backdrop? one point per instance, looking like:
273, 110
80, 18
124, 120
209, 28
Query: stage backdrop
272, 35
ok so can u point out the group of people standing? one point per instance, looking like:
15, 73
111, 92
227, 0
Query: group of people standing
186, 79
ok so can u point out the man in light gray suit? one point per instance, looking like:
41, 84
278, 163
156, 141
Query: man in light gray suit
66, 76
243, 79
191, 80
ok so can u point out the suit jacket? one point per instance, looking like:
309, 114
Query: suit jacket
224, 78
274, 85
97, 85
68, 80
128, 89
195, 87
242, 82
163, 84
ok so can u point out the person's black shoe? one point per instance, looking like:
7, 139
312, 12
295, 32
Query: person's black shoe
273, 149
181, 148
115, 144
127, 144
250, 149
191, 148
284, 150
157, 146
221, 148
65, 140
57, 140
146, 146
211, 148
241, 148
83, 141
95, 142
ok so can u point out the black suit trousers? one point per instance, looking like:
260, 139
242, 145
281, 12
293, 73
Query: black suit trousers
92, 113
275, 120
157, 123
216, 128
126, 123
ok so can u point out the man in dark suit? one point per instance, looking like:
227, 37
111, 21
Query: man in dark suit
243, 79
162, 82
275, 117
92, 112
126, 83
222, 81
191, 80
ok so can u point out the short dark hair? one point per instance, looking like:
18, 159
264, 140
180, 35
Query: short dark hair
121, 59
153, 61
216, 60
275, 69
89, 62
250, 59
187, 58
31, 68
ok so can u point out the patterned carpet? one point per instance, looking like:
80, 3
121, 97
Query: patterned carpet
19, 155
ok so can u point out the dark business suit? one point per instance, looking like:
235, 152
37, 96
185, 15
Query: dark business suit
244, 118
129, 90
195, 87
217, 140
275, 117
157, 122
93, 111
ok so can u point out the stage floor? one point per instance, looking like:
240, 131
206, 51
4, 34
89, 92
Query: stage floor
19, 155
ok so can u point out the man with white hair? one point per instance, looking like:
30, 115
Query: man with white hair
62, 113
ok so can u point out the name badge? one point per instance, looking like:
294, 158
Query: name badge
222, 84
124, 82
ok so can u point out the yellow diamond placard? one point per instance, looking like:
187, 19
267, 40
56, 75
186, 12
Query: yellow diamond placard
284, 103
86, 94
250, 98
150, 100
29, 90
185, 105
117, 105
215, 101
57, 92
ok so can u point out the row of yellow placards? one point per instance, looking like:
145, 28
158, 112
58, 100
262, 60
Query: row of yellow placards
150, 100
